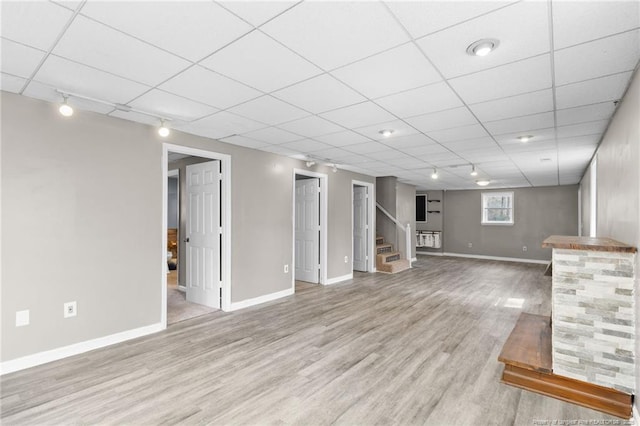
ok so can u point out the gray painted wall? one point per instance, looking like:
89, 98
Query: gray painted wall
618, 185
434, 220
539, 212
406, 213
88, 190
585, 202
386, 197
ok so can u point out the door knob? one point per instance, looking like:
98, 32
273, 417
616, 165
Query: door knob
186, 240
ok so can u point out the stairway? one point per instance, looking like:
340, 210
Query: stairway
388, 260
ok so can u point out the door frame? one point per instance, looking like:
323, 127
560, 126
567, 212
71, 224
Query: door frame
371, 202
225, 198
176, 173
324, 191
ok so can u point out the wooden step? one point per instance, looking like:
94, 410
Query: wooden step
388, 257
379, 240
384, 248
528, 365
393, 267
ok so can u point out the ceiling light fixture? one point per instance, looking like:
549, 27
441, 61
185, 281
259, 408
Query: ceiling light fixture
163, 130
483, 182
335, 168
65, 109
310, 163
473, 170
386, 132
434, 175
483, 47
525, 138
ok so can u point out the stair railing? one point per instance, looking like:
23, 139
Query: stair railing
406, 229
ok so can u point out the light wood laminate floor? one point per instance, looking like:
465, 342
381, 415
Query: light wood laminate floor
419, 347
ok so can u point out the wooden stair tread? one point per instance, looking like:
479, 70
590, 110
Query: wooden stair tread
529, 345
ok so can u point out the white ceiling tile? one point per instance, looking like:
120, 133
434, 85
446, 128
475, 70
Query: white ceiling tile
423, 100
332, 154
343, 138
87, 81
521, 28
458, 133
601, 111
268, 109
35, 23
538, 135
592, 91
443, 119
426, 149
222, 124
258, 61
11, 83
168, 105
471, 144
280, 150
408, 141
257, 12
398, 127
424, 17
172, 25
367, 148
514, 106
210, 88
359, 115
48, 93
273, 135
18, 59
136, 117
577, 22
521, 124
319, 94
410, 163
99, 46
306, 145
581, 129
507, 80
244, 141
395, 70
331, 34
598, 58
311, 127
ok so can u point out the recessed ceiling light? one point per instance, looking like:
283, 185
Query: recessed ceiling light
163, 130
65, 109
483, 47
434, 175
386, 132
483, 182
473, 171
525, 138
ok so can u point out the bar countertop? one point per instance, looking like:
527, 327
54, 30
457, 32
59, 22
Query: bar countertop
587, 243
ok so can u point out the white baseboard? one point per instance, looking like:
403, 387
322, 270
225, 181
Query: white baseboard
75, 349
430, 253
261, 299
505, 259
636, 414
414, 259
337, 280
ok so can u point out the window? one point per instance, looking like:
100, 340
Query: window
497, 208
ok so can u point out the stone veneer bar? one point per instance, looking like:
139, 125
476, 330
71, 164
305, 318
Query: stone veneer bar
593, 324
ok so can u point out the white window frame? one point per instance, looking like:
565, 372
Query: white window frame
484, 220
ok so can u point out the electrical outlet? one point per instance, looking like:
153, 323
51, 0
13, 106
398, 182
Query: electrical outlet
346, 259
70, 309
286, 269
524, 248
470, 245
22, 318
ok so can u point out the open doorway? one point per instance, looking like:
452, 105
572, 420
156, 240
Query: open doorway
309, 227
362, 197
196, 240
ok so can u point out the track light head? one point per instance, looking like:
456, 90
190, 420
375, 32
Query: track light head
65, 109
473, 170
311, 163
335, 169
163, 130
434, 175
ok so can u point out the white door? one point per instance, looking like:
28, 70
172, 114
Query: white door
360, 228
204, 234
307, 230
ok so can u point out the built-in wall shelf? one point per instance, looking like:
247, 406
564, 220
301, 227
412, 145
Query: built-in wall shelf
433, 211
433, 201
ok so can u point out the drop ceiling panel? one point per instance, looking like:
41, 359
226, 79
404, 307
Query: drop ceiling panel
273, 135
443, 120
134, 116
588, 92
582, 129
577, 22
521, 28
399, 128
268, 109
210, 88
471, 144
320, 94
172, 25
342, 138
367, 148
166, 104
11, 83
311, 127
18, 59
426, 150
333, 154
507, 80
521, 124
47, 93
222, 124
87, 81
359, 115
514, 106
306, 145
408, 141
601, 111
458, 133
332, 34
395, 70
257, 12
35, 23
423, 100
598, 58
244, 141
389, 155
260, 62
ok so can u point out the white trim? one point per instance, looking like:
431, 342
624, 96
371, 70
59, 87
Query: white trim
636, 414
225, 160
324, 229
580, 210
76, 348
510, 194
506, 259
261, 299
337, 280
371, 219
429, 253
414, 259
174, 173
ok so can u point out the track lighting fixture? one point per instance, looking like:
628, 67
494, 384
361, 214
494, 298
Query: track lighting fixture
65, 109
473, 170
335, 169
434, 175
163, 130
311, 163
